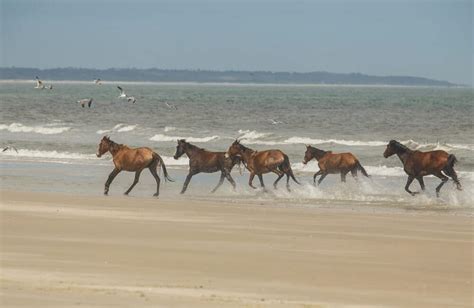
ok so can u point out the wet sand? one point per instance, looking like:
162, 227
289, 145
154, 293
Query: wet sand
61, 250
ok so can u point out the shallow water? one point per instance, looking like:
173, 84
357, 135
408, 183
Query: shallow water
57, 139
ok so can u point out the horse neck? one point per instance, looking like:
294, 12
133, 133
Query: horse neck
115, 148
247, 153
191, 150
317, 153
403, 154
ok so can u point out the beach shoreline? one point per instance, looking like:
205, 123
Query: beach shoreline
65, 250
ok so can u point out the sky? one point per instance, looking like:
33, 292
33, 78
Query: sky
432, 39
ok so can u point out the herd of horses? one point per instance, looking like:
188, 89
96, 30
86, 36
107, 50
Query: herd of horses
416, 164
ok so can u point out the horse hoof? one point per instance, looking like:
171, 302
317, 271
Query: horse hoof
155, 195
414, 193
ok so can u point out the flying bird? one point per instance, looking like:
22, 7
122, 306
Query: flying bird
275, 122
50, 87
9, 147
98, 81
122, 93
171, 106
131, 99
86, 101
39, 84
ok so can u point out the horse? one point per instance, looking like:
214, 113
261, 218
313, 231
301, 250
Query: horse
201, 160
134, 160
331, 163
261, 162
418, 164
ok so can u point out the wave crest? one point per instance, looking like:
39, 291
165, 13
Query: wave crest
165, 138
50, 129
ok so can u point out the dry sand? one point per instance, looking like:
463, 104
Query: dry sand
63, 250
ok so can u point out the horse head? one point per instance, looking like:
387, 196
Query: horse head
391, 148
235, 150
308, 155
180, 148
103, 146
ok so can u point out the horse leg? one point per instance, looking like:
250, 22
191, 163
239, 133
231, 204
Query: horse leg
422, 183
230, 179
188, 179
157, 179
260, 177
322, 178
410, 179
343, 176
252, 175
354, 173
111, 177
280, 175
288, 182
135, 181
315, 175
449, 170
444, 179
221, 180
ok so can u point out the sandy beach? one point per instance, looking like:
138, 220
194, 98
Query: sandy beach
63, 250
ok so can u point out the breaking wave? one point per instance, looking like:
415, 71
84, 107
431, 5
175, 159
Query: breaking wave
119, 128
48, 129
165, 138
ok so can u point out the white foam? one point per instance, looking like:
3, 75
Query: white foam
250, 134
165, 138
48, 154
119, 128
49, 129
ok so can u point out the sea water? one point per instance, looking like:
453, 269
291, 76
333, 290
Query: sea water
57, 139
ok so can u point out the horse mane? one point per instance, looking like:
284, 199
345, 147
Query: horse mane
318, 153
113, 146
399, 147
192, 146
243, 147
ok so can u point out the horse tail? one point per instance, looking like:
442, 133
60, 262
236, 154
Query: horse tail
452, 160
287, 166
359, 166
162, 163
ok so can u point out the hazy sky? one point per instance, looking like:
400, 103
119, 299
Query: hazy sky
420, 38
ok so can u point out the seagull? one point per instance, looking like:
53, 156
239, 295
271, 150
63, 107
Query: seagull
131, 99
85, 101
122, 93
275, 122
171, 106
39, 84
98, 81
9, 147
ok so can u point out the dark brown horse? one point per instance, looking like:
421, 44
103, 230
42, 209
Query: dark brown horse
331, 163
201, 160
417, 164
259, 163
135, 160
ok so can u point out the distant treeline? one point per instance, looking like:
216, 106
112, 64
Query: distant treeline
164, 75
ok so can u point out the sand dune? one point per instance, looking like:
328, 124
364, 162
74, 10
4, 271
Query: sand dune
63, 250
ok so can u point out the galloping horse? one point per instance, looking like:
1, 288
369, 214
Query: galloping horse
417, 164
329, 162
201, 160
262, 162
135, 160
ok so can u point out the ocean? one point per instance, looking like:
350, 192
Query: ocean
57, 139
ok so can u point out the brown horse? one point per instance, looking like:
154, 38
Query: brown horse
330, 163
259, 163
135, 160
417, 164
201, 160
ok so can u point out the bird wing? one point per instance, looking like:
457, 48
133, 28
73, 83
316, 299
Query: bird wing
121, 90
